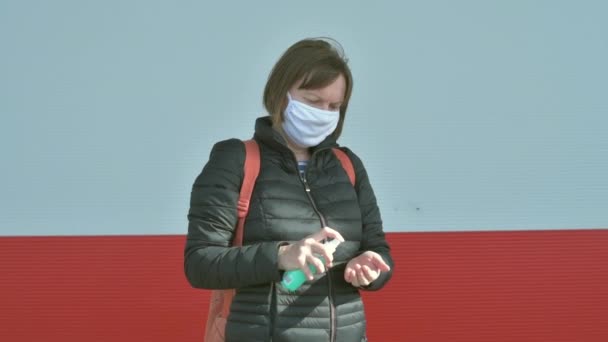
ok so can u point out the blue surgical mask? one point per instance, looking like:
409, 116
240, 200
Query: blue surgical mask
306, 125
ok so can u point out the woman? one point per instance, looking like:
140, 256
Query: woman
301, 198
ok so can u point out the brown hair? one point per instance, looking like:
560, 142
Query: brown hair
319, 62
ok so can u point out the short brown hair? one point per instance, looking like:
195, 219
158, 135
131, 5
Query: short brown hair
319, 62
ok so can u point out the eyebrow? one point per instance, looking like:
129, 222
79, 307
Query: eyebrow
317, 97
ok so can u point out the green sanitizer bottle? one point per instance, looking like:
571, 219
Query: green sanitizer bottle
293, 279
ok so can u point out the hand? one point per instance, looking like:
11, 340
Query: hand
365, 268
302, 253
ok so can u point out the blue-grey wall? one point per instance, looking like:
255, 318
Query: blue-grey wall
468, 114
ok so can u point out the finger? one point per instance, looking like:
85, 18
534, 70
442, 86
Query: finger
379, 263
307, 272
323, 251
369, 274
349, 275
303, 265
312, 260
353, 274
354, 280
361, 278
327, 232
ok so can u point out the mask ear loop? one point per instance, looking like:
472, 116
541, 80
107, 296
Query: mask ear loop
289, 102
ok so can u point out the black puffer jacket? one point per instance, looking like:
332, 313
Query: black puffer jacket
325, 309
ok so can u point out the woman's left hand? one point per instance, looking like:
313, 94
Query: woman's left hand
362, 270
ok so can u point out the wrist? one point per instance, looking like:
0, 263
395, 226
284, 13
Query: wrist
280, 252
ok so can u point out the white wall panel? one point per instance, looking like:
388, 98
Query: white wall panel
469, 115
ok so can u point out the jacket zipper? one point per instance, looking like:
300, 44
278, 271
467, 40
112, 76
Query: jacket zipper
314, 205
332, 308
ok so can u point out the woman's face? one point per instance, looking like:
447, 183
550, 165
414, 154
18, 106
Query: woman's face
328, 98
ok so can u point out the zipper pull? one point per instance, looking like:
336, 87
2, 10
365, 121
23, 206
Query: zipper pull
306, 187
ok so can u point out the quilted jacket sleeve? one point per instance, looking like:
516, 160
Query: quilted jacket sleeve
373, 233
209, 260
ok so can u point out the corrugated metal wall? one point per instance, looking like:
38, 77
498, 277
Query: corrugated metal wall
533, 286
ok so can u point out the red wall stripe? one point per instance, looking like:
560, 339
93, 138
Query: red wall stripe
470, 286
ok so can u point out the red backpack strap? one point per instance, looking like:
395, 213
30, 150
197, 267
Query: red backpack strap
347, 164
251, 170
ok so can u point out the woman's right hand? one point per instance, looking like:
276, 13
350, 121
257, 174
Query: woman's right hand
302, 253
